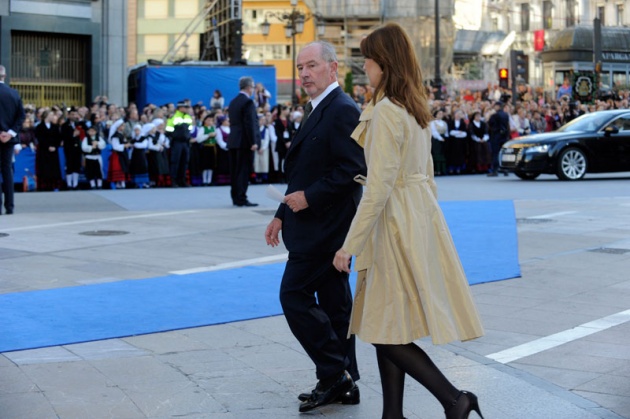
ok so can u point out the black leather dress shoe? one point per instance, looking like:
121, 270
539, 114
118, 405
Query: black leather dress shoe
352, 396
322, 396
247, 204
9, 212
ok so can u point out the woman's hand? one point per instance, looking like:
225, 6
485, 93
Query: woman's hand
342, 261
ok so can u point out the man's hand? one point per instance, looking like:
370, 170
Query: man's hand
254, 147
5, 136
296, 201
271, 234
342, 261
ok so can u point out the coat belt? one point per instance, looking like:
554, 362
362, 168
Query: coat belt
416, 179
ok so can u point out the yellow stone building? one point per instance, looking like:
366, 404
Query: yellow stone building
276, 48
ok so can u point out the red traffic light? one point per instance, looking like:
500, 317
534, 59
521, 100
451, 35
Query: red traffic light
504, 74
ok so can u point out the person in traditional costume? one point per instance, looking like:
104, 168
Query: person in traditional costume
92, 145
139, 168
480, 155
206, 138
410, 281
222, 173
72, 133
456, 145
194, 158
284, 132
118, 171
261, 156
439, 133
157, 159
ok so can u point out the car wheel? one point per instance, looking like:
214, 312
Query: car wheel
527, 175
572, 164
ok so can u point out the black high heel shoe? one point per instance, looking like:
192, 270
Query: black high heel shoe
461, 409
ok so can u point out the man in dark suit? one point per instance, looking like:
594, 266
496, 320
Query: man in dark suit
244, 140
11, 118
499, 127
319, 205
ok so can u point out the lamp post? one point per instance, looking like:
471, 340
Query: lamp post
437, 80
294, 25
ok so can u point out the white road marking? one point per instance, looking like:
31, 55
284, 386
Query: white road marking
235, 264
553, 214
552, 341
97, 221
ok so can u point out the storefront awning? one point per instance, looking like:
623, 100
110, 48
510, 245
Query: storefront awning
470, 43
576, 44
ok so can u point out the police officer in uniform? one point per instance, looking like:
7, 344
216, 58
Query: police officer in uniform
178, 129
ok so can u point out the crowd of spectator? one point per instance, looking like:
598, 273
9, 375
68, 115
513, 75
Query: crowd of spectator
139, 142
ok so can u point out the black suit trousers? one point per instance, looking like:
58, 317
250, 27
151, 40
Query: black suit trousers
320, 323
6, 170
495, 146
180, 151
241, 167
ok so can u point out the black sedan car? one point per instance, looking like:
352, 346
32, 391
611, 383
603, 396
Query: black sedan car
597, 142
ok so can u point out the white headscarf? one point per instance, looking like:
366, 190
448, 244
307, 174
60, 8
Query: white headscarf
146, 128
114, 128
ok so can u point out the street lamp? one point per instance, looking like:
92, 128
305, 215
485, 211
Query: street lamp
294, 25
437, 80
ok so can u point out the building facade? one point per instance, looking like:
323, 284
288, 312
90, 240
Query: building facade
156, 25
540, 29
276, 48
64, 52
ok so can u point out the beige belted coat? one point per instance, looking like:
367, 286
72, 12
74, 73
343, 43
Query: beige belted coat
411, 282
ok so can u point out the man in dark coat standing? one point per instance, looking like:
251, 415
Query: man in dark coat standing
321, 200
72, 134
244, 140
499, 127
11, 119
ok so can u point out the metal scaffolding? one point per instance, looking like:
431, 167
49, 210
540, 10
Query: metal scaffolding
348, 21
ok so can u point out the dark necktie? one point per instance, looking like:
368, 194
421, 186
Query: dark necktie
307, 111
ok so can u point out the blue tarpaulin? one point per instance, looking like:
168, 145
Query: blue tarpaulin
171, 83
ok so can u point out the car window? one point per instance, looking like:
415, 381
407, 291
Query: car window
586, 123
622, 123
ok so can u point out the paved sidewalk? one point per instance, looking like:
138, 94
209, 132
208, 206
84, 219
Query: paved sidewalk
574, 248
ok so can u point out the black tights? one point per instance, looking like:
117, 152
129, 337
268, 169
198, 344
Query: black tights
394, 361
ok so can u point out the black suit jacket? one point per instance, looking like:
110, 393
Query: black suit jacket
11, 111
322, 161
244, 130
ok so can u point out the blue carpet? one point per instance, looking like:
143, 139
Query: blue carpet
484, 233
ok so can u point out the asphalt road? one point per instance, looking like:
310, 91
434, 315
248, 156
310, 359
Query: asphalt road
557, 342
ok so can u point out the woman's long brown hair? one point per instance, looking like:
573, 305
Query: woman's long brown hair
391, 48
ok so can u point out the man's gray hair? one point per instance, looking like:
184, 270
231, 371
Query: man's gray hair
328, 50
245, 82
3, 71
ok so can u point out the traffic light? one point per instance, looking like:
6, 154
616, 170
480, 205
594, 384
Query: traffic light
504, 77
519, 66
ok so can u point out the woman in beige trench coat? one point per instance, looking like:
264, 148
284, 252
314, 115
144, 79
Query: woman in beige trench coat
411, 283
